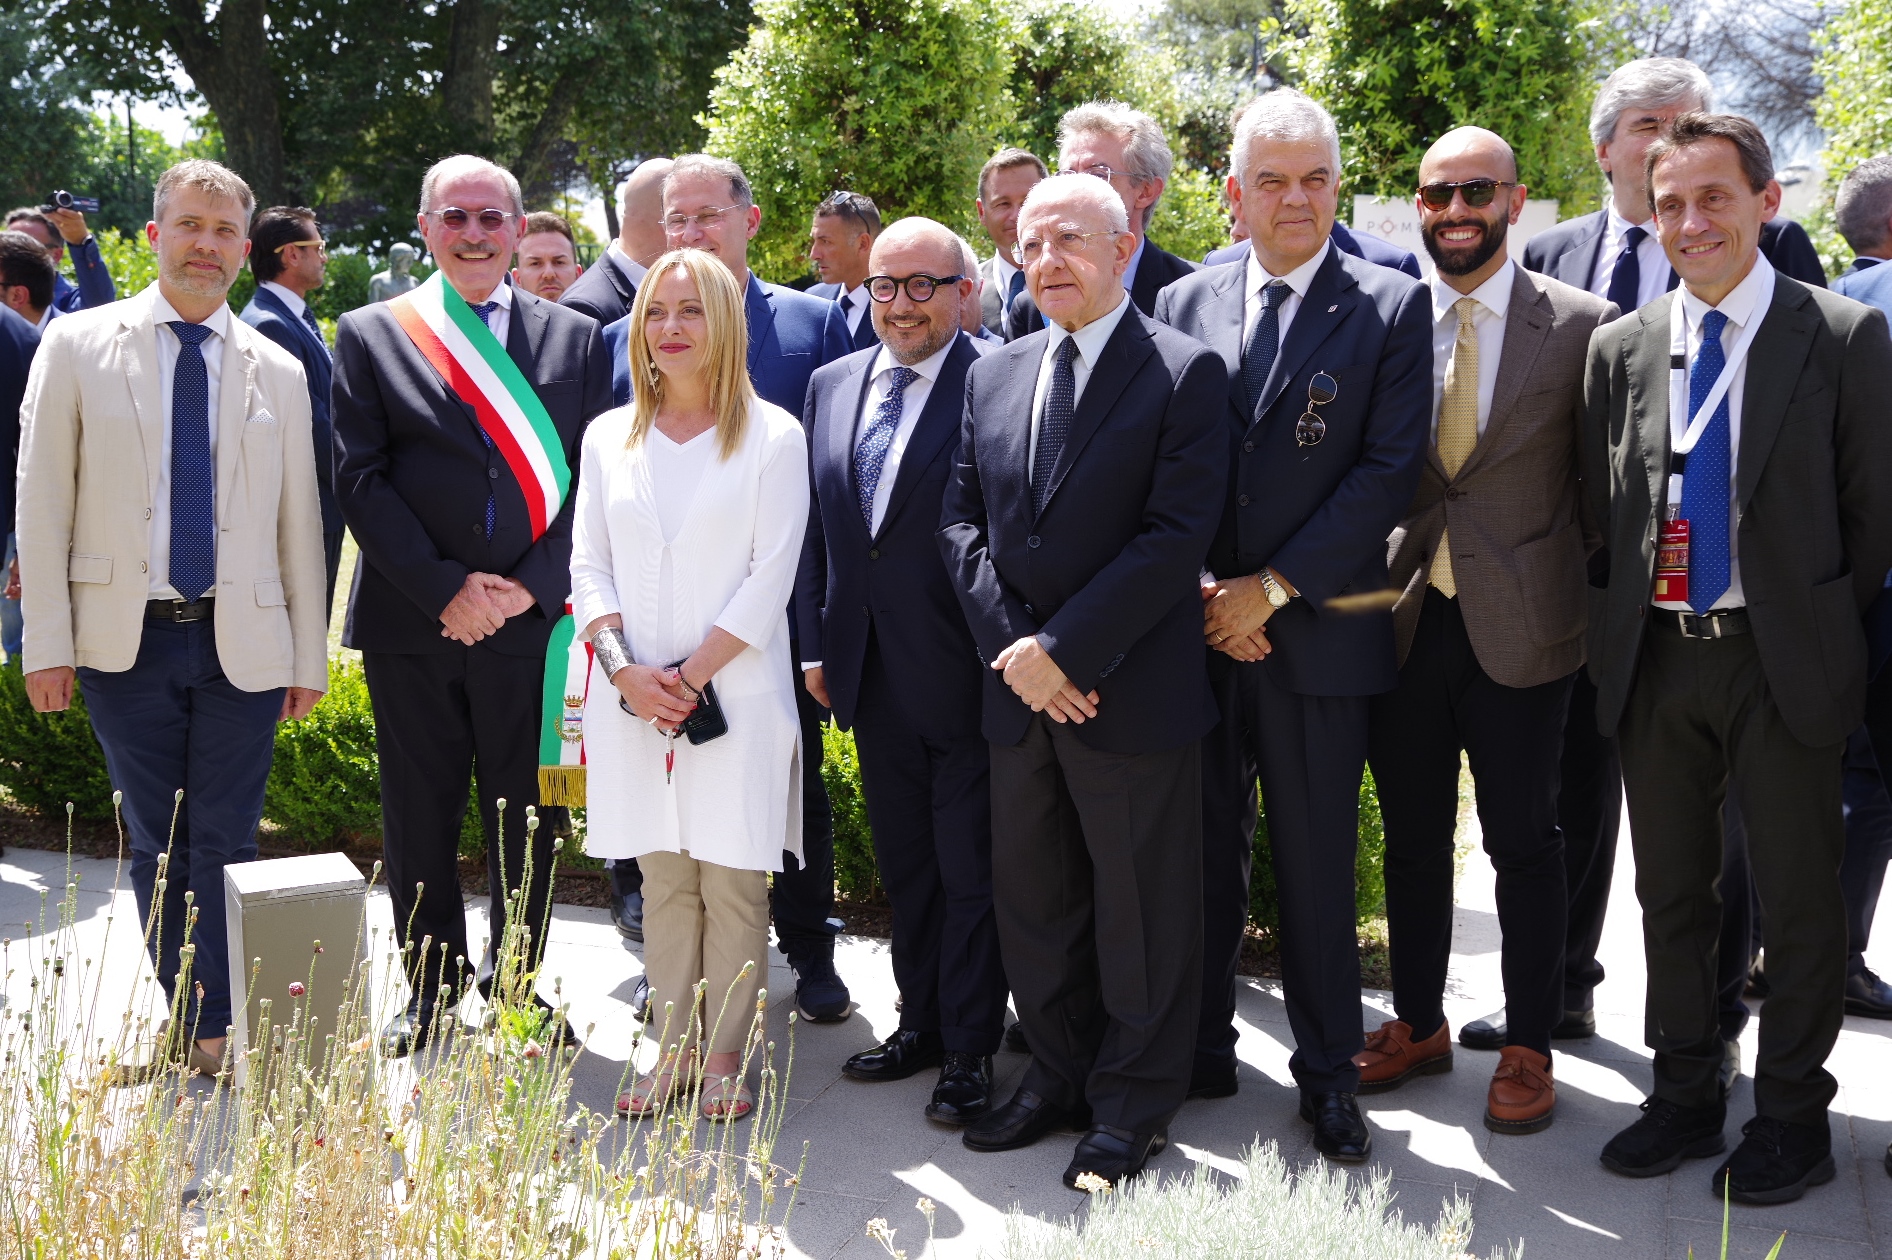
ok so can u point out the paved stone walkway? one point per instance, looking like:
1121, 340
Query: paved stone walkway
872, 1154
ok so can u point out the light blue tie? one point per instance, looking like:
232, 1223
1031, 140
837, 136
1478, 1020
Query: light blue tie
485, 311
870, 456
193, 524
1705, 475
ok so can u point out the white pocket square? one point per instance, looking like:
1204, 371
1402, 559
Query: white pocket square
262, 417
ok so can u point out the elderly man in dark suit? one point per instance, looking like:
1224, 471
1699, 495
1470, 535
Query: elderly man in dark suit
885, 646
1359, 244
1089, 478
1489, 561
1749, 520
1324, 410
465, 566
289, 260
1125, 148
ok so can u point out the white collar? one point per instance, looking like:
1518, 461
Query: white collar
1091, 337
1618, 225
1494, 294
1747, 299
1002, 267
289, 297
162, 312
1300, 279
859, 294
630, 266
928, 368
46, 316
502, 295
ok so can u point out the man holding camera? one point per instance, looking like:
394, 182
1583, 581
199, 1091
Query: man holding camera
59, 225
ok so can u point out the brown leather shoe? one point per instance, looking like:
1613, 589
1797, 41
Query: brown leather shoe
1522, 1098
1391, 1055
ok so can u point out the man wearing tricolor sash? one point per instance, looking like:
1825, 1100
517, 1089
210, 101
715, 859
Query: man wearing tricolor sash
458, 411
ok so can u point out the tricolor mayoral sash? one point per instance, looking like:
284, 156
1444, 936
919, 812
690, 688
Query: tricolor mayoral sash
477, 370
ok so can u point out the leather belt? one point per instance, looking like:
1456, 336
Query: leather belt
1725, 624
178, 610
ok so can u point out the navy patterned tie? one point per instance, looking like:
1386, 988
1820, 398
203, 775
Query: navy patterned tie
1705, 475
1054, 425
1013, 288
193, 526
1264, 343
485, 311
870, 456
1626, 279
308, 317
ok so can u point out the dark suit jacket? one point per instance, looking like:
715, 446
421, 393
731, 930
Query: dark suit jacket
1106, 575
1320, 514
893, 583
790, 335
412, 473
1813, 496
603, 292
269, 315
1869, 280
1568, 251
18, 341
1362, 245
1157, 268
991, 300
863, 335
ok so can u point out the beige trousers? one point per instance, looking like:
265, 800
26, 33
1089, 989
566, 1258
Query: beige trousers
704, 922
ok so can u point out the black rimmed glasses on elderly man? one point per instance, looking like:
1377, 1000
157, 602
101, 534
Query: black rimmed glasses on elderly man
1321, 390
919, 287
1476, 192
454, 219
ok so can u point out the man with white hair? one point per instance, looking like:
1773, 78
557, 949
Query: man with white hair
459, 407
1091, 470
605, 291
1125, 148
1325, 411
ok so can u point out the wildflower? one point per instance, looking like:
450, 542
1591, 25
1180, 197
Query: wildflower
297, 988
1091, 1183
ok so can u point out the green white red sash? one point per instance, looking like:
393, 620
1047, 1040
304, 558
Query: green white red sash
476, 369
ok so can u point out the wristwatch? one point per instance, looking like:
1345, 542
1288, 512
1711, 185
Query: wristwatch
1277, 595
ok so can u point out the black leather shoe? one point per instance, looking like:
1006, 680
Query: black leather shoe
1015, 1040
964, 1092
1212, 1080
1667, 1134
1868, 995
1022, 1121
1776, 1162
627, 915
1339, 1132
820, 995
1730, 1070
410, 1030
906, 1052
1492, 1033
1116, 1155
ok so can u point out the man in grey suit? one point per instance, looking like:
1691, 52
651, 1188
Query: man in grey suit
1003, 182
1489, 628
1749, 521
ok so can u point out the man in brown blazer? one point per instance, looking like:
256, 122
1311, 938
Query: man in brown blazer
1489, 625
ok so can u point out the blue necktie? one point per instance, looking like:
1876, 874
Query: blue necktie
193, 525
485, 311
1015, 287
870, 457
1705, 475
308, 317
1626, 279
1054, 425
1264, 344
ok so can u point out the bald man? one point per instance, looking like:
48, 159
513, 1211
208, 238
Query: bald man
1489, 628
605, 292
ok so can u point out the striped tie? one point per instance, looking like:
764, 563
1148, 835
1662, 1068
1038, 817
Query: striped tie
1458, 425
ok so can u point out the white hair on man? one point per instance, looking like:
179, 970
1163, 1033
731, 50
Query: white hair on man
1647, 83
468, 164
1283, 115
1144, 147
1093, 194
1863, 207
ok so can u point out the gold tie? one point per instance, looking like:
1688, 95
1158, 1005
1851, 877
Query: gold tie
1458, 425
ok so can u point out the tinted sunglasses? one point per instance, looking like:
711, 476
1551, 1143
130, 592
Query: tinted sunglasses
454, 219
1476, 192
1310, 428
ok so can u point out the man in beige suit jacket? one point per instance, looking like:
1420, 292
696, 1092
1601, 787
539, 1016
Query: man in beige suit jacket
1490, 559
171, 562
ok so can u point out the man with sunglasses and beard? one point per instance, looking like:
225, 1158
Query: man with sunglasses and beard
1327, 358
1489, 562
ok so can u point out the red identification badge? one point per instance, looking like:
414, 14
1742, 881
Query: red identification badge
1671, 571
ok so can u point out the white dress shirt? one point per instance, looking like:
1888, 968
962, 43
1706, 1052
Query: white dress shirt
1749, 300
289, 297
630, 266
1652, 264
856, 308
500, 320
1002, 270
163, 314
1494, 300
1090, 343
1297, 280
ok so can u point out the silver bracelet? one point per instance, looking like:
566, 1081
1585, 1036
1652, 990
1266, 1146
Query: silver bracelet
612, 651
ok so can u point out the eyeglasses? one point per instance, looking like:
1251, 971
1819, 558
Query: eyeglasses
919, 288
319, 246
1477, 193
454, 219
1310, 428
704, 220
1102, 172
1027, 251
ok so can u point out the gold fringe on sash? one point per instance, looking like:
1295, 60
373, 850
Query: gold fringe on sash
562, 785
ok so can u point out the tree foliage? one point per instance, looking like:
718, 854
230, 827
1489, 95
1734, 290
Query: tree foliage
1854, 108
1067, 52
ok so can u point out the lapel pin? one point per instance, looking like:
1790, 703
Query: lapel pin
1333, 308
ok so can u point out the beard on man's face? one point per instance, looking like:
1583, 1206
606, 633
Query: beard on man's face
1463, 258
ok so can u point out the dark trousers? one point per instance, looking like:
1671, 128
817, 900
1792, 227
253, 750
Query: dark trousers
1097, 881
1589, 814
1699, 715
802, 897
930, 804
440, 718
173, 722
332, 558
1308, 753
1513, 737
1868, 819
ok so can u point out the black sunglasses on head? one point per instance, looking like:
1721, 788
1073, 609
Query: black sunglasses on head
1477, 193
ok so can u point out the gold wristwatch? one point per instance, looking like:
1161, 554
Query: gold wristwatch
1277, 595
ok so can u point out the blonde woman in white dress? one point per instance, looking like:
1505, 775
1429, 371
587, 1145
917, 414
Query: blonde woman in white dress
691, 507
